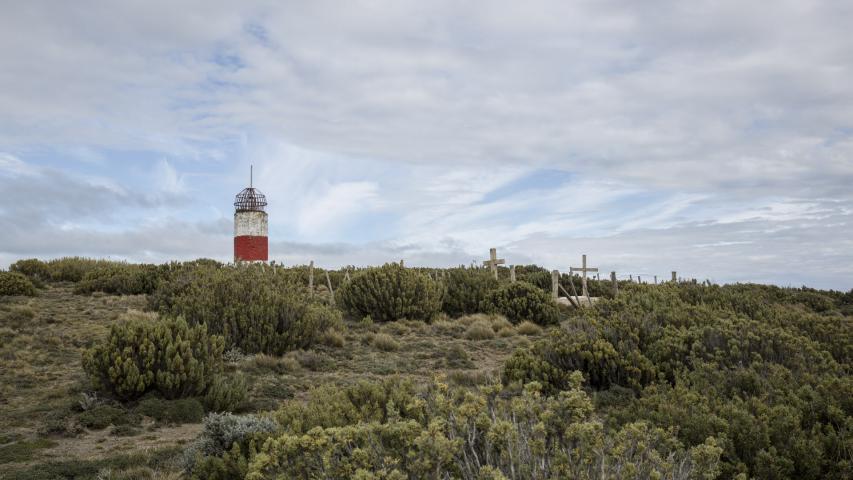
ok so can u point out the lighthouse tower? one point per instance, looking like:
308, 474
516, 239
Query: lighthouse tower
250, 225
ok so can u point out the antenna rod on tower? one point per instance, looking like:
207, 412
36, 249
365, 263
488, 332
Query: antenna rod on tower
251, 174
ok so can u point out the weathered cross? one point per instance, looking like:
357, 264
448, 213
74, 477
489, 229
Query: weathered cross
494, 261
583, 269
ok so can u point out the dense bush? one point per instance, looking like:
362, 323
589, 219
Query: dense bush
33, 268
225, 394
255, 308
392, 431
763, 369
142, 353
467, 291
522, 301
391, 292
72, 269
13, 283
552, 360
121, 278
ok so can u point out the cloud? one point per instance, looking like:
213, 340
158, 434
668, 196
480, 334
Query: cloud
340, 203
435, 129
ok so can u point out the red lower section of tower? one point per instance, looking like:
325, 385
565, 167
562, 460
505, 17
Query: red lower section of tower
250, 248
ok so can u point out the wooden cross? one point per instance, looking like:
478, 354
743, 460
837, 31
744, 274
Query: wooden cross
494, 261
583, 269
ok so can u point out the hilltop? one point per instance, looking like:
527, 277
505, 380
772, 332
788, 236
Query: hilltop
395, 372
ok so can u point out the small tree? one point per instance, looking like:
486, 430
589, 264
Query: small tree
143, 353
391, 292
467, 291
522, 301
13, 283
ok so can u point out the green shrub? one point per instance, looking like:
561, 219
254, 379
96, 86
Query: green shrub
72, 269
142, 353
391, 292
400, 433
225, 394
121, 279
551, 362
13, 283
32, 268
467, 291
251, 306
521, 301
540, 279
385, 342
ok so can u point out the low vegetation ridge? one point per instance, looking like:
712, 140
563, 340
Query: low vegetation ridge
198, 369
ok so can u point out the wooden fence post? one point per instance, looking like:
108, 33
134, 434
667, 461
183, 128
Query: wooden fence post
329, 283
615, 284
555, 282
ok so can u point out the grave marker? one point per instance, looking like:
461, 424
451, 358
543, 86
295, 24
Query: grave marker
311, 277
512, 273
494, 261
583, 269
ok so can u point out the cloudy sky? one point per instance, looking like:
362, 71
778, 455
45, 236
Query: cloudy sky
714, 138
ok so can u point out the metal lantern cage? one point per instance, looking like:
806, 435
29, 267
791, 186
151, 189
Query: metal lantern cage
250, 200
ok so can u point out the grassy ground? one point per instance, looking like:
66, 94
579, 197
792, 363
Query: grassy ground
54, 428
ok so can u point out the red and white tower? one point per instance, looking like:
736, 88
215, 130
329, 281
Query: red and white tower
250, 225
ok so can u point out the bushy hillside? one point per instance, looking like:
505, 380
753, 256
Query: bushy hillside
674, 381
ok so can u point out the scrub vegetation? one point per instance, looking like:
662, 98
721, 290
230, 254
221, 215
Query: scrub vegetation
204, 370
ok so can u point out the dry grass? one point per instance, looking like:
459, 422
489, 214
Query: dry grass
528, 328
385, 342
507, 332
480, 330
333, 338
